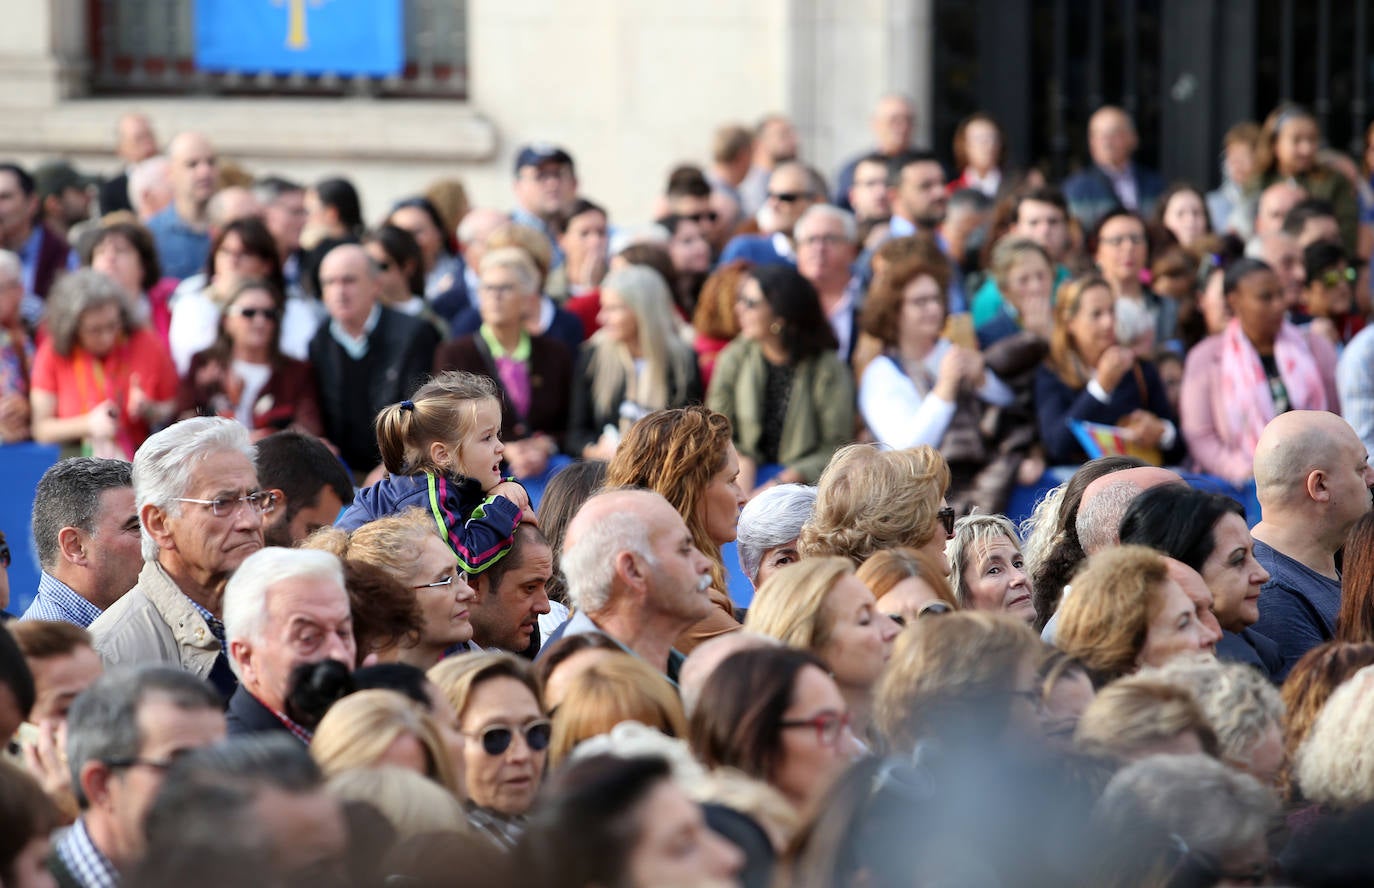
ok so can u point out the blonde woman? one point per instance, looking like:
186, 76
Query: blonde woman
986, 569
907, 585
635, 364
869, 499
821, 607
1142, 715
617, 689
373, 728
412, 804
1334, 768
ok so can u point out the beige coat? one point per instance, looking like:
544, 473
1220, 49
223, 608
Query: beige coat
155, 623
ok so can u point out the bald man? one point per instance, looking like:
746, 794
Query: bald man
1114, 178
1313, 479
365, 355
182, 231
1195, 587
893, 125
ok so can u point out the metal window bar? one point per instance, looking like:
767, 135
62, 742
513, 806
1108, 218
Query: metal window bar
148, 47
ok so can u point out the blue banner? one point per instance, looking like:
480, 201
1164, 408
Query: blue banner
346, 37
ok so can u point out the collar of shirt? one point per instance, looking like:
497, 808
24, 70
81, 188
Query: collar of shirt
899, 227
521, 352
58, 601
91, 868
298, 731
580, 624
214, 622
356, 348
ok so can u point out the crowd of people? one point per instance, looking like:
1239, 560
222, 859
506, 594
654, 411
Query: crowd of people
403, 554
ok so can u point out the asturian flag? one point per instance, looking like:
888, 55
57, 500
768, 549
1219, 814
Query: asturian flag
346, 37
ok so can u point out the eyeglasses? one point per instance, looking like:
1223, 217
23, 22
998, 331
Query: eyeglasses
828, 726
251, 313
497, 738
747, 302
124, 763
789, 196
703, 216
382, 264
946, 516
822, 240
929, 609
1334, 276
500, 291
446, 581
1134, 240
261, 502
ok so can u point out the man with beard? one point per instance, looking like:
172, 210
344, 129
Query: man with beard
311, 485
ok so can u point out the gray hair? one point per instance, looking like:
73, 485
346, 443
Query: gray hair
245, 595
588, 565
971, 532
68, 495
144, 175
103, 722
11, 267
76, 293
1099, 519
163, 464
1039, 529
828, 211
1240, 703
516, 261
1333, 765
1214, 809
771, 519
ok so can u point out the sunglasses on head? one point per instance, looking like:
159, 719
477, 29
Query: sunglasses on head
946, 516
498, 738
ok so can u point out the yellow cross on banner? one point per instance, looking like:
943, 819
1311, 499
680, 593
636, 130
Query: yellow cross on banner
296, 37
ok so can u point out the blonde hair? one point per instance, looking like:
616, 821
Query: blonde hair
1239, 703
1008, 252
357, 731
615, 689
944, 672
412, 804
443, 410
1063, 358
1335, 766
888, 567
1104, 623
1130, 717
869, 499
457, 676
392, 542
669, 362
533, 244
972, 535
790, 605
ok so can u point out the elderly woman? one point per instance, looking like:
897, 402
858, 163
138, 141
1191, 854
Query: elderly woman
1236, 381
871, 499
769, 525
1127, 612
686, 455
101, 382
616, 689
373, 728
1243, 708
635, 364
125, 251
1207, 532
532, 371
400, 273
244, 249
986, 569
907, 585
1143, 715
1334, 769
962, 679
245, 376
788, 396
821, 607
442, 271
1088, 377
1305, 693
16, 353
778, 716
507, 733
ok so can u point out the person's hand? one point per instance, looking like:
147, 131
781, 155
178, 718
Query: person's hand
587, 273
1146, 428
46, 760
950, 375
1037, 315
14, 418
513, 492
103, 420
1113, 365
973, 366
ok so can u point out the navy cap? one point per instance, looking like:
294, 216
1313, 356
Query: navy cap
541, 153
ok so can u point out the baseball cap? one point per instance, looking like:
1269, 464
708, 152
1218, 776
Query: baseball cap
541, 153
56, 176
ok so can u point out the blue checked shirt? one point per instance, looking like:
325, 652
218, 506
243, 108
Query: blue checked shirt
56, 601
91, 868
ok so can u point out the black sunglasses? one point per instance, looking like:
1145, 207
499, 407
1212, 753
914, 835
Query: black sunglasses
704, 216
946, 516
497, 738
251, 313
789, 196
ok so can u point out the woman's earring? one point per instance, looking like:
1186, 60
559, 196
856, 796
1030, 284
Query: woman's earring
776, 328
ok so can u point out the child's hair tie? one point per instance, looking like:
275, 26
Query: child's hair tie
407, 405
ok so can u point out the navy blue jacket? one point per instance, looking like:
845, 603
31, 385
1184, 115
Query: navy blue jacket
1253, 649
1056, 404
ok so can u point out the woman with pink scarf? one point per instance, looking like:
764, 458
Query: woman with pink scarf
1260, 365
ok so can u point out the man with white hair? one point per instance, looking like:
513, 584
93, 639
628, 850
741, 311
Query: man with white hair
1313, 479
200, 506
283, 609
827, 243
634, 575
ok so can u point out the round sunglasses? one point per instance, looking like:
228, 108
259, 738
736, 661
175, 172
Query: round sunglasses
496, 739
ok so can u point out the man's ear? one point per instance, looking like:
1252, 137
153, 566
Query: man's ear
71, 546
480, 584
630, 568
155, 521
241, 652
1317, 487
95, 782
280, 506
